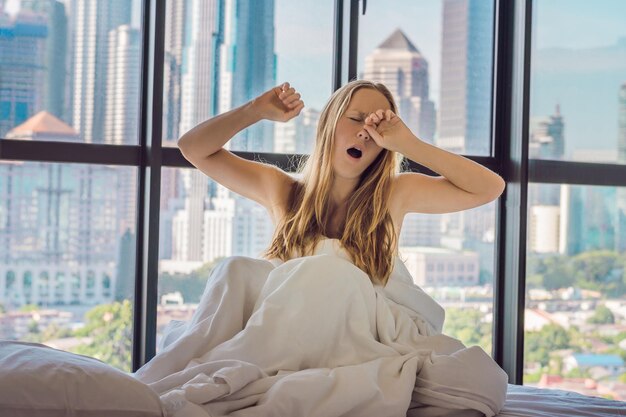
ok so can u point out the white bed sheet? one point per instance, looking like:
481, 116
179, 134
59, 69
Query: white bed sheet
537, 402
525, 401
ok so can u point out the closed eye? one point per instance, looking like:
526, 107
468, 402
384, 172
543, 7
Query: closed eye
356, 120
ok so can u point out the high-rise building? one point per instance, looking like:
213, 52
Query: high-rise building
172, 67
546, 141
399, 65
123, 85
54, 91
200, 61
90, 22
546, 137
464, 124
544, 232
252, 228
588, 219
121, 116
247, 66
22, 67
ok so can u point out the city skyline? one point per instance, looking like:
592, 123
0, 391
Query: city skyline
90, 261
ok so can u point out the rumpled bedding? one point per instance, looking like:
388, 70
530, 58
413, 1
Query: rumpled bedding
314, 337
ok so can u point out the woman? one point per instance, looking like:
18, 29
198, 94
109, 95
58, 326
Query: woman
333, 325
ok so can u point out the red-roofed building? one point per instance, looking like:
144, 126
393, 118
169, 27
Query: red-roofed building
44, 126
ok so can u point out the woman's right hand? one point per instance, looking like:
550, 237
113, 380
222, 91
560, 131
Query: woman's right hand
280, 104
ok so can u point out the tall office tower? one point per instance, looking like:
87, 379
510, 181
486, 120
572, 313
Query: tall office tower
298, 134
399, 65
172, 66
90, 22
199, 61
59, 222
56, 54
252, 228
621, 158
22, 67
121, 120
466, 76
123, 77
543, 228
546, 136
588, 219
248, 65
420, 230
218, 227
189, 241
547, 141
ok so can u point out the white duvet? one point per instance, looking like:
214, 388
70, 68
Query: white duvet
314, 337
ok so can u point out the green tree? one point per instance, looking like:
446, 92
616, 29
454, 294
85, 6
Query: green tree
27, 308
110, 328
540, 344
600, 271
602, 315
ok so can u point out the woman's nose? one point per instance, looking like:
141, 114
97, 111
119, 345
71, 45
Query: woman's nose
363, 134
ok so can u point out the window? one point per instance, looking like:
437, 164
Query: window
82, 84
436, 58
257, 47
575, 284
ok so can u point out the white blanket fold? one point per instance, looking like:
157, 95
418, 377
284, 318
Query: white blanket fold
314, 337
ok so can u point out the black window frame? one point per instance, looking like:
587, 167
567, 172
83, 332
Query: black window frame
509, 144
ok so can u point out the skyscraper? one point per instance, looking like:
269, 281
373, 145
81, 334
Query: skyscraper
172, 67
248, 65
464, 124
399, 65
22, 67
200, 61
547, 141
54, 91
123, 77
91, 22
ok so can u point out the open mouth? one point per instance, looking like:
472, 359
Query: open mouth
355, 153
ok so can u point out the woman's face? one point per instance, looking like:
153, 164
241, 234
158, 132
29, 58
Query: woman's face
350, 137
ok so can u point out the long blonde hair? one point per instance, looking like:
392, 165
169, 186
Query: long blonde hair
368, 233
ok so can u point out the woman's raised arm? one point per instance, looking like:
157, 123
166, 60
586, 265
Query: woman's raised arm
203, 147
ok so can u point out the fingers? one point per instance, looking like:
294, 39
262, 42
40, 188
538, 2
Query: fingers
378, 116
296, 110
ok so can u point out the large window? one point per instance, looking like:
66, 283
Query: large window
578, 92
437, 59
88, 162
575, 288
576, 212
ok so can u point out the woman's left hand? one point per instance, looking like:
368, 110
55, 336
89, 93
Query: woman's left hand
387, 130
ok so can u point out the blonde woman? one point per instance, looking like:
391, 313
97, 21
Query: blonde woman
330, 322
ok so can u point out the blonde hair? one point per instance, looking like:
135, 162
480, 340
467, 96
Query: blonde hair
367, 233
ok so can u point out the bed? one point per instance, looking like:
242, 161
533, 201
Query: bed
524, 401
38, 381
